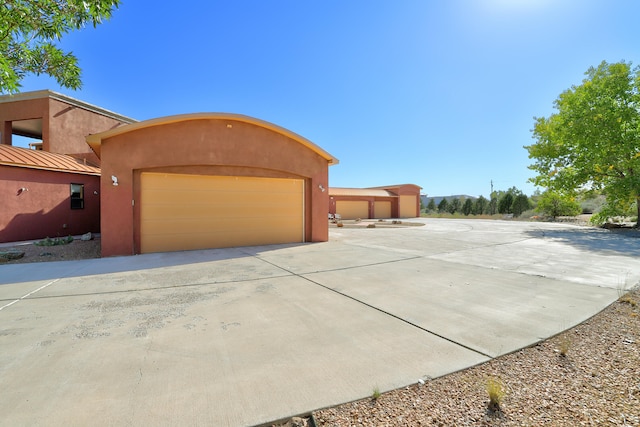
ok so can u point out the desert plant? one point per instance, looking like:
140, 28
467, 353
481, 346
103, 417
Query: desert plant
339, 224
376, 393
54, 242
627, 299
564, 344
496, 391
372, 225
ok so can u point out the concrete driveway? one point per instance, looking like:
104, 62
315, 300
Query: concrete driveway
246, 336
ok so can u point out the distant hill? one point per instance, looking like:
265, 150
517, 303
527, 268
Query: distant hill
438, 199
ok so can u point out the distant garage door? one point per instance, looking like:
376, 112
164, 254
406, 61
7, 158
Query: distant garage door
382, 209
408, 206
352, 209
182, 212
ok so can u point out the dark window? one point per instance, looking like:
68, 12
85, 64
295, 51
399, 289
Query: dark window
77, 196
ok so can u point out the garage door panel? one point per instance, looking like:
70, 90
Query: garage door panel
181, 212
382, 209
352, 209
408, 206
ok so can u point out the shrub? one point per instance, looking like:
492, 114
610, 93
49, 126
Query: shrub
496, 391
54, 242
376, 393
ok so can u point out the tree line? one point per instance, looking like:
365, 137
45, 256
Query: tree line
512, 202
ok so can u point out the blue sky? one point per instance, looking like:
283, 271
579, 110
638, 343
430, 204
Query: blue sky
438, 93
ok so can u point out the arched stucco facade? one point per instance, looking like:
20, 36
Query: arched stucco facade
205, 144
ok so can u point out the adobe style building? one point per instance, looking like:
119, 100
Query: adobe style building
393, 201
192, 181
53, 188
209, 180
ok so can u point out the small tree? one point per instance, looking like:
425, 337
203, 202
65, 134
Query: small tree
520, 204
454, 206
493, 205
431, 206
467, 207
443, 206
554, 204
480, 206
505, 204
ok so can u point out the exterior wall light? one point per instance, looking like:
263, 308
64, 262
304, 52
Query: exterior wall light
114, 179
21, 190
321, 187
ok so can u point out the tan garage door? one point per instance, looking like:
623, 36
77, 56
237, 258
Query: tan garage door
382, 210
182, 212
352, 209
408, 206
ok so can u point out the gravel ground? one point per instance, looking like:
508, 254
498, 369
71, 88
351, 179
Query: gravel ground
586, 376
77, 249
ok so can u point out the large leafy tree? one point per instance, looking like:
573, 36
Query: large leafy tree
592, 142
29, 31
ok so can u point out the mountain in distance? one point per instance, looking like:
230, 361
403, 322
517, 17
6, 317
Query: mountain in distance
437, 199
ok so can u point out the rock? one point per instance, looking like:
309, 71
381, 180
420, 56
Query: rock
86, 237
10, 255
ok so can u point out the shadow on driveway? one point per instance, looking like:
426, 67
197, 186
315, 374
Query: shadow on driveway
45, 271
625, 242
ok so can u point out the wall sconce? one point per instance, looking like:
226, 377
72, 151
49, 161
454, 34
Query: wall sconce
321, 187
21, 190
95, 192
114, 179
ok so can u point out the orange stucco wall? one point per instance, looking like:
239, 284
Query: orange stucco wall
409, 190
211, 146
64, 126
44, 209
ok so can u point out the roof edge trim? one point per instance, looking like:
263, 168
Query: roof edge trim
51, 169
39, 94
95, 140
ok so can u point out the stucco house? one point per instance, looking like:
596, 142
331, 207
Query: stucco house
52, 188
191, 181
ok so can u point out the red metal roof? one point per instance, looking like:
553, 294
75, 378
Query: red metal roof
23, 157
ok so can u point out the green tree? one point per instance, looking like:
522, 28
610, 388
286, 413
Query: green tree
480, 206
431, 206
29, 31
467, 207
554, 204
505, 203
493, 205
454, 206
443, 206
593, 140
520, 204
